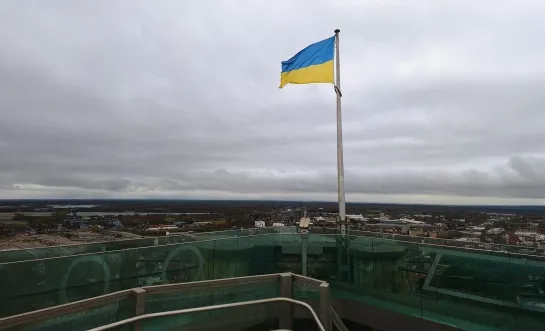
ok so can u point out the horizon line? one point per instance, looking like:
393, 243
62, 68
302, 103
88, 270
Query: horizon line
271, 200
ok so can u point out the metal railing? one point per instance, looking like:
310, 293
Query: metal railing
138, 319
284, 280
441, 242
180, 238
336, 320
38, 253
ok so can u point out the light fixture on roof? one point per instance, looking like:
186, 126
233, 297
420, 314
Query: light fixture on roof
304, 223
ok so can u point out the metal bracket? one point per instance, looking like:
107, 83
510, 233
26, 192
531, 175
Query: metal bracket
337, 90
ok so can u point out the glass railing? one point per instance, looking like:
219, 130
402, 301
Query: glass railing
17, 255
513, 249
234, 318
465, 286
472, 289
35, 284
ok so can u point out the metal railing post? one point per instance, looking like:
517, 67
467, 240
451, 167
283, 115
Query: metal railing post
337, 320
324, 306
140, 307
286, 291
304, 253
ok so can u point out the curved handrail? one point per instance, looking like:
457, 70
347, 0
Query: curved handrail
210, 308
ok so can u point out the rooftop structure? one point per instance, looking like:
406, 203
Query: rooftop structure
414, 281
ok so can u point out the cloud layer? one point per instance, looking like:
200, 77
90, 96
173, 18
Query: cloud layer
443, 102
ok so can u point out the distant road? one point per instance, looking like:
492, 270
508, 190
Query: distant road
99, 213
9, 216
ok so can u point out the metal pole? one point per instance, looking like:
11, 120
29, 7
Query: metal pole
325, 306
304, 253
286, 291
140, 302
340, 162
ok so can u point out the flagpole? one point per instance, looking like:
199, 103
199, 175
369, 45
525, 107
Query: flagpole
340, 161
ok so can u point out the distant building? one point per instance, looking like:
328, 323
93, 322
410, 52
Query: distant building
495, 231
358, 218
259, 224
417, 232
160, 228
411, 221
278, 224
201, 223
385, 220
113, 223
179, 224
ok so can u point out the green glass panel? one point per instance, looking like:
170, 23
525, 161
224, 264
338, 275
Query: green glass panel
86, 319
230, 258
305, 292
264, 256
235, 318
167, 264
31, 285
211, 295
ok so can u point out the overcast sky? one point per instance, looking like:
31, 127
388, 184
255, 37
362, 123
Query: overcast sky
443, 101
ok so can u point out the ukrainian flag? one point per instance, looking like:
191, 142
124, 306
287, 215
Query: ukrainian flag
314, 64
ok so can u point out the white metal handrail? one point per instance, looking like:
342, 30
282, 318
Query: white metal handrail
210, 308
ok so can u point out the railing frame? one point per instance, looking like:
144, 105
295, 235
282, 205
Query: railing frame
212, 308
285, 280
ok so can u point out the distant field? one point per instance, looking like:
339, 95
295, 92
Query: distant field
9, 216
8, 222
6, 216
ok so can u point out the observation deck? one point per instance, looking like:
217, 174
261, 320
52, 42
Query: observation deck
386, 282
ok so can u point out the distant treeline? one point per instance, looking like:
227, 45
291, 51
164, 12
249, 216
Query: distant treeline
235, 206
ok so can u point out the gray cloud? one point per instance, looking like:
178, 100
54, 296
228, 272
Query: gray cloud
443, 101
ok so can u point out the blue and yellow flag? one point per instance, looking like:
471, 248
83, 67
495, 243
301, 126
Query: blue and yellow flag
314, 64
